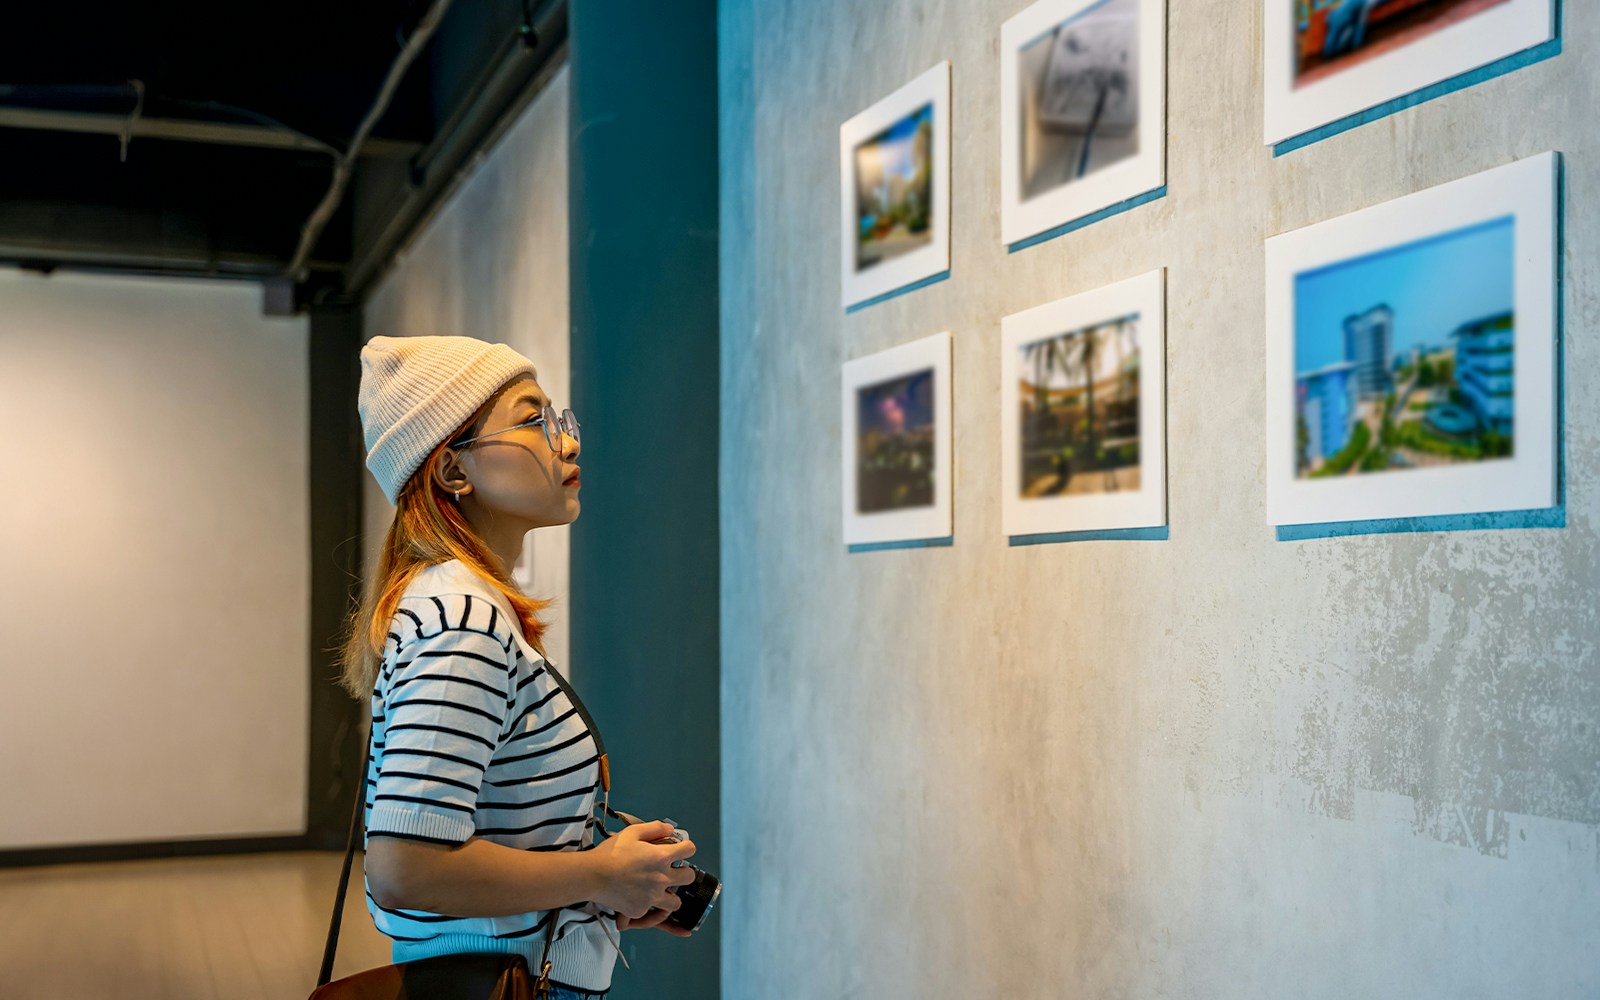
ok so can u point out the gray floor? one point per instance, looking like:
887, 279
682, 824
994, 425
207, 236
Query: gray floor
179, 929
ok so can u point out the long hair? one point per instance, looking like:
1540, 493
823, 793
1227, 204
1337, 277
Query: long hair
427, 529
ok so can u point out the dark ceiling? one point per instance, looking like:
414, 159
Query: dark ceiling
199, 138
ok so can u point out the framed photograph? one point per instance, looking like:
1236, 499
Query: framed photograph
1082, 411
1325, 60
1411, 354
894, 189
896, 448
1082, 110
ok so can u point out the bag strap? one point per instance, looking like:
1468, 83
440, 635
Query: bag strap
326, 972
344, 876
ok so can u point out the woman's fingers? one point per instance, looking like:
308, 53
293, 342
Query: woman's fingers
650, 832
651, 919
681, 851
644, 865
656, 918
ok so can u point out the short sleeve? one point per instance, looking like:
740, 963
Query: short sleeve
445, 706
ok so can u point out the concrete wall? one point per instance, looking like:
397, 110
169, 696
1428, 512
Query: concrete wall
153, 565
1217, 765
492, 264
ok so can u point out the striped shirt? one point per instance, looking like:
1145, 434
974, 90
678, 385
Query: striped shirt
472, 737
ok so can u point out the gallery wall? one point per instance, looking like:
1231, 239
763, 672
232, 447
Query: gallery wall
156, 622
1208, 761
492, 264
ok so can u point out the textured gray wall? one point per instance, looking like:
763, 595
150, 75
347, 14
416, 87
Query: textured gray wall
1218, 765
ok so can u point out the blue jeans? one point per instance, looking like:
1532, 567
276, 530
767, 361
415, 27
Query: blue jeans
557, 993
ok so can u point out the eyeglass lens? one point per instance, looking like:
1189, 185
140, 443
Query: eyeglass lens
554, 426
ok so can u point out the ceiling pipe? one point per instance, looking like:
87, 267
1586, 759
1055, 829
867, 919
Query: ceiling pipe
192, 130
519, 70
344, 163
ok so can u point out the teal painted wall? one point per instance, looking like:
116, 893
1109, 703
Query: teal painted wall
643, 216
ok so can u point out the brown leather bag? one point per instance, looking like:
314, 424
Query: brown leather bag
480, 977
485, 976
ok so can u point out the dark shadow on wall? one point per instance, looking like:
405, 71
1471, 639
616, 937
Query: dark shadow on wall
337, 469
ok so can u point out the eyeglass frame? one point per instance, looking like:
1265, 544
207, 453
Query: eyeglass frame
566, 420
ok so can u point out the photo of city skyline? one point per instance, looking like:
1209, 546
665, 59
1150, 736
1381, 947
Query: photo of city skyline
1404, 358
895, 444
1079, 400
894, 189
1334, 35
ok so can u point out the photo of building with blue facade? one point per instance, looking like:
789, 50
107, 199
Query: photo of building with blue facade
1406, 358
1326, 401
1485, 369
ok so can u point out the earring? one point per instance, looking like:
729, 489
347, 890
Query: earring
458, 496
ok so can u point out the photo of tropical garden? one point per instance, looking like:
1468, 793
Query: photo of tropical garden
894, 444
1422, 373
894, 189
1079, 398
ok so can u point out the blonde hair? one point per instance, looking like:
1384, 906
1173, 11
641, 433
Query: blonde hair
427, 529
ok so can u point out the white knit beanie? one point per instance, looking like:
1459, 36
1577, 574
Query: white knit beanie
415, 392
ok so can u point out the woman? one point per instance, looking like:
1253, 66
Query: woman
481, 795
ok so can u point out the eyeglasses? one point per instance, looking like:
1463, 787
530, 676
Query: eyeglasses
567, 423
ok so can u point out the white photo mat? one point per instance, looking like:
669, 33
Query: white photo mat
913, 524
1145, 507
1145, 171
1527, 480
1477, 41
932, 87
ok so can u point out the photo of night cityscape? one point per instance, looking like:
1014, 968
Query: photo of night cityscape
894, 444
1405, 358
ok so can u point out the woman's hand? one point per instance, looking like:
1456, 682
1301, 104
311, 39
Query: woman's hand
655, 918
636, 874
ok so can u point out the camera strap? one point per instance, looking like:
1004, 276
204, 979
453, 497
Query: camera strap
605, 775
588, 722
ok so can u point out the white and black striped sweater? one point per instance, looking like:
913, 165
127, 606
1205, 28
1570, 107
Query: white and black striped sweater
473, 737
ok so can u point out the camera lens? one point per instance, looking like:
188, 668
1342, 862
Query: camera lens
697, 898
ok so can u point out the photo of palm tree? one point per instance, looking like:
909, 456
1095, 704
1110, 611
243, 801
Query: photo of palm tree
894, 444
894, 189
1334, 35
1079, 399
1078, 84
1405, 359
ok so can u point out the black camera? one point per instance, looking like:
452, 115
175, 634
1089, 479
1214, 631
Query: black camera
696, 899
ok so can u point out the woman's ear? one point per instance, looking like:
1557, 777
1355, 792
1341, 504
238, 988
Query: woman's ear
448, 474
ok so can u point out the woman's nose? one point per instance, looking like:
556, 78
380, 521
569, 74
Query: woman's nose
570, 448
